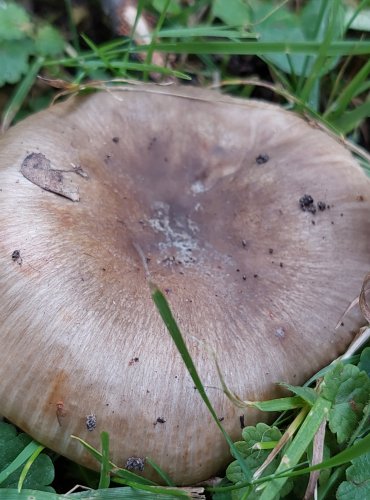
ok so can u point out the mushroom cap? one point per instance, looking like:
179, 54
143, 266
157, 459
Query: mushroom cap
208, 188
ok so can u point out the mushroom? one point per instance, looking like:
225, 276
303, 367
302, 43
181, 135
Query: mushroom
254, 223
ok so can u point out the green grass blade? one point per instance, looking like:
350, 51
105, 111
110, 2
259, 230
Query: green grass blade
21, 93
96, 50
105, 494
157, 490
123, 474
319, 21
349, 92
205, 31
95, 453
72, 25
24, 455
349, 120
298, 446
281, 404
27, 466
158, 26
170, 322
359, 448
121, 65
105, 466
341, 48
166, 478
314, 76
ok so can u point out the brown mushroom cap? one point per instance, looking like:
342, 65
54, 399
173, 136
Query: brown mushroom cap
208, 187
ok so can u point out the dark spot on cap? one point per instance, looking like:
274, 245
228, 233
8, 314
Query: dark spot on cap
321, 205
115, 140
16, 255
307, 204
262, 158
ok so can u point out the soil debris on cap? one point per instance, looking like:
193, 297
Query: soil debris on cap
133, 360
37, 169
135, 463
262, 158
321, 205
115, 140
90, 422
160, 420
306, 202
16, 256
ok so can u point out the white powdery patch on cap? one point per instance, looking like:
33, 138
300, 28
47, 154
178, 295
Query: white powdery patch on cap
179, 235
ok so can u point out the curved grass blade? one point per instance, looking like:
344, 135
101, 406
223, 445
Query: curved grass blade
27, 466
25, 454
170, 322
160, 471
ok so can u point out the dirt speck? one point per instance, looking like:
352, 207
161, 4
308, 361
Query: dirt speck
160, 420
135, 463
132, 361
152, 143
16, 257
262, 158
321, 205
306, 202
90, 422
115, 140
